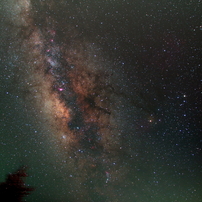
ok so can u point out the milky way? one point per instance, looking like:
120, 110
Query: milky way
73, 89
101, 99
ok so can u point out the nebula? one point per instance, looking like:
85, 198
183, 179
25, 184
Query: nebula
71, 86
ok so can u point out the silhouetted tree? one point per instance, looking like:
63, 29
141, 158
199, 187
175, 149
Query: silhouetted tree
14, 189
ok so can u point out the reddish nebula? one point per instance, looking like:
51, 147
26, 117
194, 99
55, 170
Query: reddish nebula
72, 89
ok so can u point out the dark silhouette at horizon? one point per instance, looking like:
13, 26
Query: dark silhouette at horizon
14, 188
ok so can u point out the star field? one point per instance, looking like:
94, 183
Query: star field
102, 99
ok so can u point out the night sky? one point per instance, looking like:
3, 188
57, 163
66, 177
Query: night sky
102, 100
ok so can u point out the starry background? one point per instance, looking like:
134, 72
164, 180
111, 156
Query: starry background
157, 45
